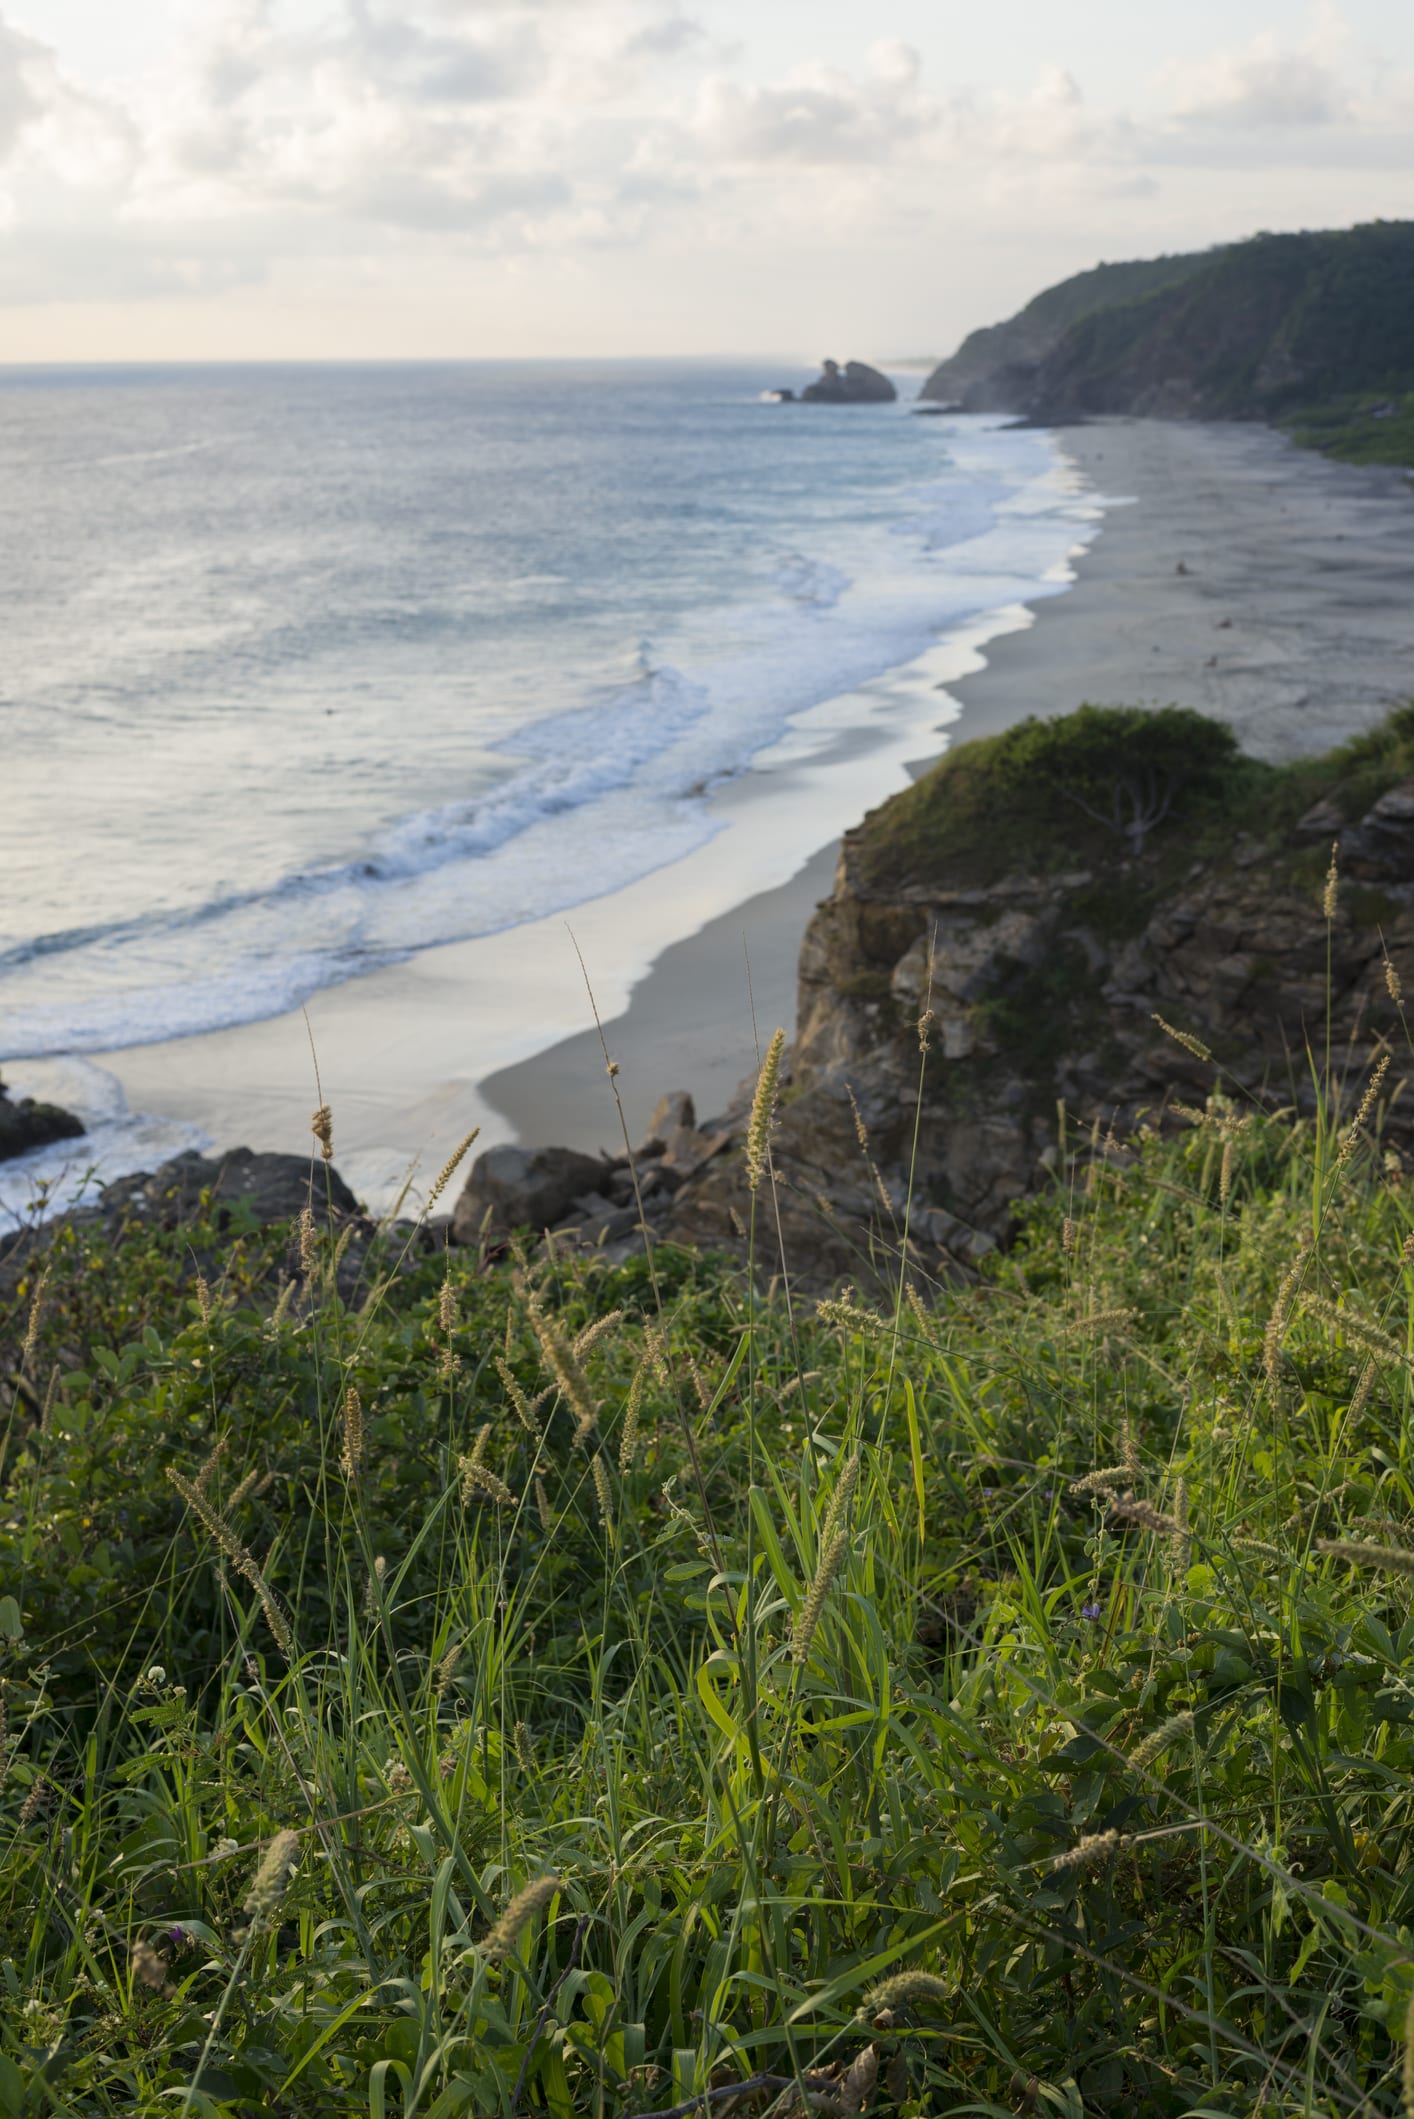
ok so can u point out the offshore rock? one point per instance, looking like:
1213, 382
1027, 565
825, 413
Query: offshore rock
854, 384
26, 1125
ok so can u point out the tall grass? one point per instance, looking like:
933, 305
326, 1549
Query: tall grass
594, 1690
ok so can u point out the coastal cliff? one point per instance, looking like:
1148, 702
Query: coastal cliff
980, 997
1289, 327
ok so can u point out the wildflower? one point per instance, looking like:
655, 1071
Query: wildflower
529, 1901
1091, 1610
763, 1108
268, 1884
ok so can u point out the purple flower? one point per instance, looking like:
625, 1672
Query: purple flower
178, 1936
1090, 1611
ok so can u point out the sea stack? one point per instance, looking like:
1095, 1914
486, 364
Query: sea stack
853, 384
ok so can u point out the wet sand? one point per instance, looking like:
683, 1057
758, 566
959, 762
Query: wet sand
1233, 573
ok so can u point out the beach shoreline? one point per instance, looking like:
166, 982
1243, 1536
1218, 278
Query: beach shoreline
1232, 573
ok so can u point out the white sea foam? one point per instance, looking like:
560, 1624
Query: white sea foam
554, 780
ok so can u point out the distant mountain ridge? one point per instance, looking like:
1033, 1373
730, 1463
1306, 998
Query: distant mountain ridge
1252, 330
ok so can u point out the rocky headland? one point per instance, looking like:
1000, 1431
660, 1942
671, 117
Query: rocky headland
987, 1002
28, 1124
980, 997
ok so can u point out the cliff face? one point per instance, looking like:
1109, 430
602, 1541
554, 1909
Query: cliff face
1043, 985
1249, 331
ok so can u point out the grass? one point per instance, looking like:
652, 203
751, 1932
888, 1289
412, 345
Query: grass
935, 1702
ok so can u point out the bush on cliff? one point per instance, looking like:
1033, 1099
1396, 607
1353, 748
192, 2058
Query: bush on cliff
553, 1688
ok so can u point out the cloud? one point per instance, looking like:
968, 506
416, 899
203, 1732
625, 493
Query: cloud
818, 114
1270, 82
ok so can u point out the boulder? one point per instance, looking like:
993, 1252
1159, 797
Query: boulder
273, 1187
27, 1124
524, 1188
670, 1114
854, 384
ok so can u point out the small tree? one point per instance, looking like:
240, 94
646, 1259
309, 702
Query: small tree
1124, 766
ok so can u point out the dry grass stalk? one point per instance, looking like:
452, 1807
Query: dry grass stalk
528, 1901
1145, 1516
525, 1408
449, 1170
1360, 1330
633, 1412
1185, 1038
351, 1420
602, 1492
807, 1619
1393, 1559
1353, 1131
207, 1469
1091, 1852
763, 1111
268, 1884
593, 1333
240, 1558
1158, 1740
36, 1311
447, 1669
1281, 1311
563, 1364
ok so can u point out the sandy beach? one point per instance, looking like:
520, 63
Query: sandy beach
1233, 573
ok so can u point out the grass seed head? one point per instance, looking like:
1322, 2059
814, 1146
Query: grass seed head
808, 1617
1090, 1852
321, 1126
1159, 1740
1331, 894
268, 1884
351, 1420
907, 1990
449, 1170
763, 1111
1393, 984
533, 1898
1393, 1559
36, 1312
1185, 1038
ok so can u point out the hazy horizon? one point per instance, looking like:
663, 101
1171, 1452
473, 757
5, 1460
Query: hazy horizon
191, 181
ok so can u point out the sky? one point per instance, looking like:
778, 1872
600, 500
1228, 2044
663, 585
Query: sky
312, 179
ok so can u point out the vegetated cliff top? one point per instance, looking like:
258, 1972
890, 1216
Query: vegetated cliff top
1096, 788
1267, 328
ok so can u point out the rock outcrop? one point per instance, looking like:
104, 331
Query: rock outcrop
1037, 986
856, 383
27, 1125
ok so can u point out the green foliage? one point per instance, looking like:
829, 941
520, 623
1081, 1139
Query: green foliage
1047, 797
989, 1637
1369, 427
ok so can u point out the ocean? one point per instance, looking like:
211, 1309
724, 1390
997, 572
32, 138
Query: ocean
310, 669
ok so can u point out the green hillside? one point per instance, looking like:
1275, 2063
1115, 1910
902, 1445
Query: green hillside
1315, 330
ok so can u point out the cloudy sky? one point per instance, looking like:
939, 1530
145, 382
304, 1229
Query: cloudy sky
275, 178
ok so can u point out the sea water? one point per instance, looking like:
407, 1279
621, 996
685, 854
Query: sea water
309, 668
